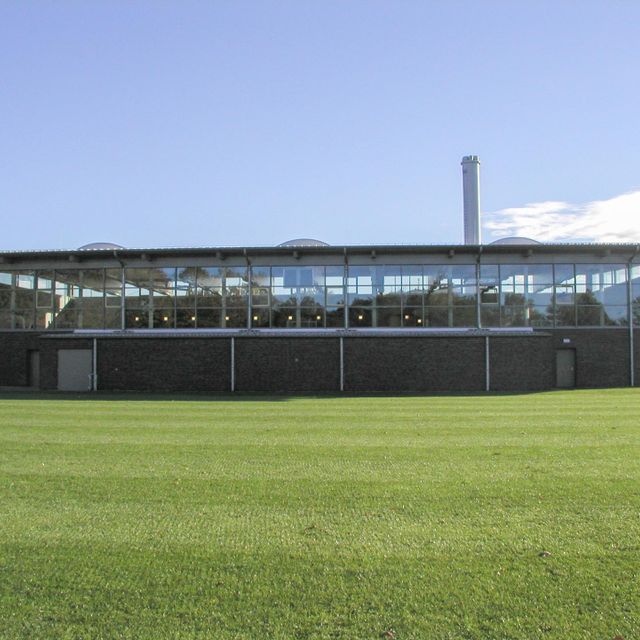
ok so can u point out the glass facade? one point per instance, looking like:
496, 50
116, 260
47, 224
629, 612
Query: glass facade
303, 296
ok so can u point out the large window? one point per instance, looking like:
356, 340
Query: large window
561, 295
309, 296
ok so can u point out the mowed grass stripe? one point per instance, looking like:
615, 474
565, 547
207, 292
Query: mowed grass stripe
321, 518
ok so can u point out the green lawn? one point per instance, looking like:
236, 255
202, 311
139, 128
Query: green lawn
405, 517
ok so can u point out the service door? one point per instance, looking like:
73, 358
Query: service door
74, 369
565, 368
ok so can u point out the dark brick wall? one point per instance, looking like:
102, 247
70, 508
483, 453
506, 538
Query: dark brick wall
164, 364
414, 364
288, 365
602, 355
14, 357
49, 358
636, 352
521, 363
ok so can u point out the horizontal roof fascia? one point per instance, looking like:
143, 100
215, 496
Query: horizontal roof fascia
357, 254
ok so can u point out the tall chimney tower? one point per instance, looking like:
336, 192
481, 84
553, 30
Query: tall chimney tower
471, 199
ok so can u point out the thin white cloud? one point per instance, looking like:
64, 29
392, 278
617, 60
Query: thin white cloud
613, 220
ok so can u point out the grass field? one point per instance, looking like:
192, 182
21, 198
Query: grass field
480, 517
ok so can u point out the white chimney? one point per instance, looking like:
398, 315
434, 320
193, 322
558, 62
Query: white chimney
471, 199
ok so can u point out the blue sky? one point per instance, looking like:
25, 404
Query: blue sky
184, 123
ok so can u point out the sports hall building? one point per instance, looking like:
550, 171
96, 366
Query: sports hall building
306, 317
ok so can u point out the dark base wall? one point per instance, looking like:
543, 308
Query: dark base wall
522, 363
414, 364
14, 357
170, 364
602, 355
287, 365
307, 365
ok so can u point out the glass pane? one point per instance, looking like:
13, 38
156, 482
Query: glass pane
334, 276
235, 318
24, 318
163, 317
137, 319
260, 276
185, 317
412, 317
591, 316
335, 295
565, 294
334, 316
210, 297
362, 298
261, 318
68, 299
541, 316
163, 282
615, 315
312, 317
490, 315
436, 275
438, 317
388, 295
437, 298
187, 277
44, 319
310, 296
285, 317
260, 297
412, 277
209, 318
463, 295
489, 274
564, 274
514, 316
359, 317
388, 317
540, 274
565, 315
488, 294
463, 274
464, 316
236, 277
136, 283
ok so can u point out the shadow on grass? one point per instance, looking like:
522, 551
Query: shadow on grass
27, 393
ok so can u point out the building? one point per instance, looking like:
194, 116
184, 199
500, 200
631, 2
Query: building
306, 317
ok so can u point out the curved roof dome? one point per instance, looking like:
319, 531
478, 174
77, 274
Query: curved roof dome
515, 240
303, 242
92, 246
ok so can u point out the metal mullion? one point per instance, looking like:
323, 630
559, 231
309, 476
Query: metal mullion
345, 277
12, 300
122, 299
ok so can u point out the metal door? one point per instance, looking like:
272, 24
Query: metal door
565, 368
74, 369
